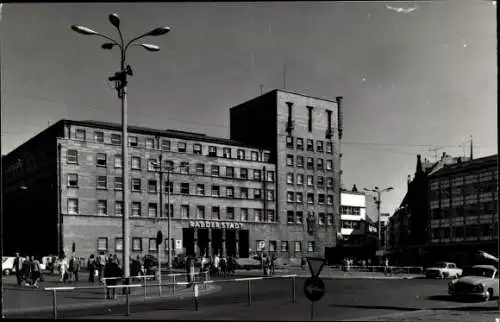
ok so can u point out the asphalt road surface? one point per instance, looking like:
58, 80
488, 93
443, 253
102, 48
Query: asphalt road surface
271, 300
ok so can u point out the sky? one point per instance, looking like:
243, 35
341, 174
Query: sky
417, 77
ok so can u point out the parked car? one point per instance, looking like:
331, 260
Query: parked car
480, 281
443, 270
8, 265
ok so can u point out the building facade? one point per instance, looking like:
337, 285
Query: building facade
224, 196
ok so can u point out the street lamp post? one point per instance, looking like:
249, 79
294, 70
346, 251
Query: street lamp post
378, 201
120, 79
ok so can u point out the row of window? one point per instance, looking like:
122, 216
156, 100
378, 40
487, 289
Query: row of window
297, 197
298, 179
473, 230
245, 214
183, 168
309, 145
297, 217
464, 179
350, 224
165, 145
463, 191
320, 163
489, 207
349, 210
183, 188
103, 244
285, 246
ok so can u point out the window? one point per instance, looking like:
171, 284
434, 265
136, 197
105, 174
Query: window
99, 137
200, 212
136, 163
196, 148
298, 246
289, 178
240, 154
329, 147
200, 189
152, 244
200, 169
270, 195
152, 165
230, 172
169, 187
300, 161
215, 213
184, 211
215, 170
243, 193
102, 182
255, 156
212, 151
310, 198
150, 143
310, 163
270, 215
272, 245
72, 156
289, 142
136, 209
215, 191
118, 183
137, 244
310, 145
257, 175
169, 165
230, 213
329, 219
152, 209
101, 159
258, 215
289, 160
321, 198
132, 141
226, 153
319, 146
257, 194
289, 196
119, 244
118, 161
169, 210
270, 176
244, 214
321, 181
102, 244
73, 180
118, 208
299, 217
310, 180
329, 164
284, 246
243, 173
73, 206
165, 145
299, 197
329, 182
329, 199
80, 134
310, 246
185, 188
300, 144
267, 156
136, 184
184, 167
116, 139
230, 192
181, 147
322, 219
319, 164
300, 179
102, 207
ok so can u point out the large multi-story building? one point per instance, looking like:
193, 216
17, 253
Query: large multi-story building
463, 210
64, 187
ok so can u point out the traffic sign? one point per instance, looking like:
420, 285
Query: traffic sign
314, 289
315, 265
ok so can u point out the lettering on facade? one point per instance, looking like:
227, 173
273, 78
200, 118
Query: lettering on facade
214, 224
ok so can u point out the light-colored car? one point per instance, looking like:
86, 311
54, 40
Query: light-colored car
480, 281
443, 270
8, 265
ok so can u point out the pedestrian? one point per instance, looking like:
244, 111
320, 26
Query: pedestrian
26, 269
76, 268
223, 266
18, 265
63, 268
35, 271
216, 264
112, 273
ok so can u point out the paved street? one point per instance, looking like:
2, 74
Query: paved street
271, 300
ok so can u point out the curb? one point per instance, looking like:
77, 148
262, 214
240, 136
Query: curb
133, 300
416, 312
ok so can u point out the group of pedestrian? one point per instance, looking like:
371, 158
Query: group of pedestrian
69, 269
28, 271
268, 264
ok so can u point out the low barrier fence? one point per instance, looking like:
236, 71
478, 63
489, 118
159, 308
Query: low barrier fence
196, 284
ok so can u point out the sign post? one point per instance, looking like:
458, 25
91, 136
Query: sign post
314, 287
159, 239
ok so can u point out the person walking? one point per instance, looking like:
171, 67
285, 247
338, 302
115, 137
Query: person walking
63, 268
111, 272
76, 268
35, 271
26, 268
92, 268
18, 265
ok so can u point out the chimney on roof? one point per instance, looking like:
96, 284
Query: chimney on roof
408, 180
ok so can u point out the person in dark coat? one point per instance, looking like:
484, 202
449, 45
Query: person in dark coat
18, 265
113, 272
91, 265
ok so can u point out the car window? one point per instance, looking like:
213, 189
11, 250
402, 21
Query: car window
441, 265
451, 265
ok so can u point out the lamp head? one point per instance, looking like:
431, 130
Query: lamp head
115, 20
159, 31
107, 45
83, 30
150, 47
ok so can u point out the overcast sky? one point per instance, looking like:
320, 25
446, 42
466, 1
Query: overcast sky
411, 81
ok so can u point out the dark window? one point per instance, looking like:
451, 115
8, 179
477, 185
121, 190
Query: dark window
72, 156
289, 142
185, 188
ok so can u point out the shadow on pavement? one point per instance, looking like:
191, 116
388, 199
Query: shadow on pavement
377, 307
450, 298
476, 309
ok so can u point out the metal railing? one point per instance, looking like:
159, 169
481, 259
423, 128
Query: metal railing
195, 283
